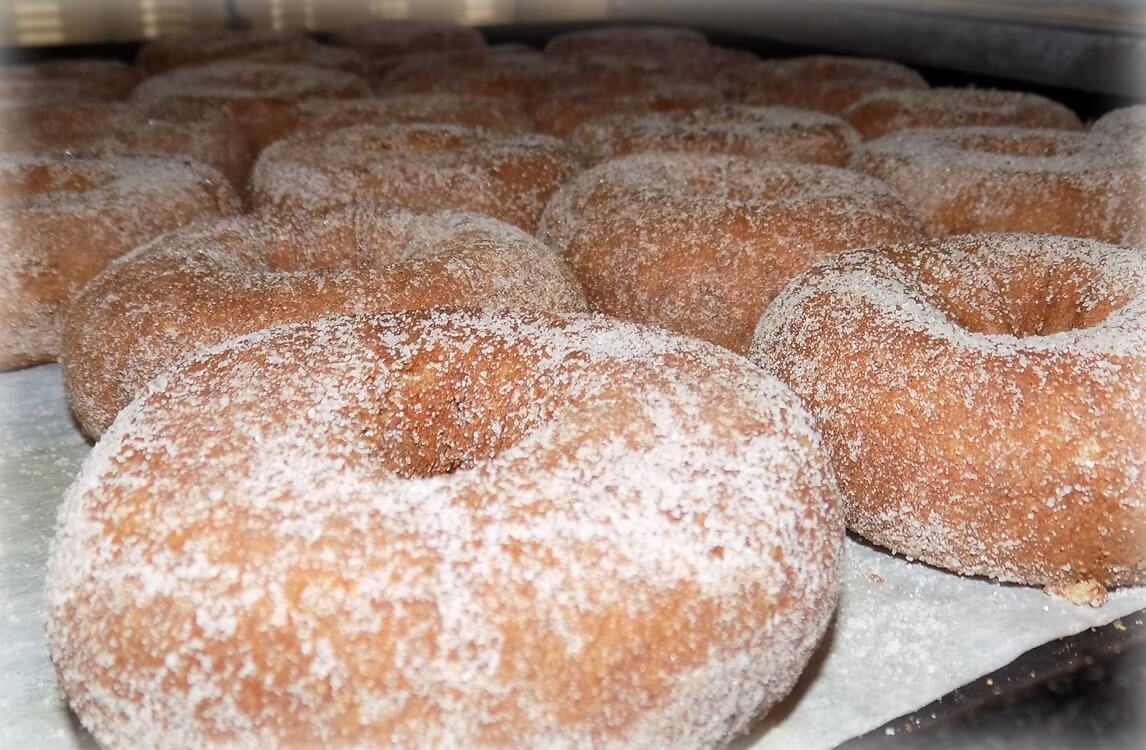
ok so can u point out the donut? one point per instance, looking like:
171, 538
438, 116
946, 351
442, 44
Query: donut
983, 401
767, 132
637, 41
165, 53
66, 81
700, 243
1127, 124
445, 529
827, 83
458, 109
312, 53
200, 286
1014, 180
519, 77
63, 219
562, 108
401, 36
425, 66
424, 167
102, 128
255, 93
884, 112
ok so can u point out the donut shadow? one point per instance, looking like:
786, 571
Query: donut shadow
783, 709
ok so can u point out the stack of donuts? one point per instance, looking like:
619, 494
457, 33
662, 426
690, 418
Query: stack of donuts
447, 393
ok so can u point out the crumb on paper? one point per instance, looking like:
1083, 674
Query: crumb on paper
1081, 592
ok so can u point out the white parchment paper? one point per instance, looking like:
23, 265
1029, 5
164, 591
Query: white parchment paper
904, 635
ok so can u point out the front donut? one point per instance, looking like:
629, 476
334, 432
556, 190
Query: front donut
445, 529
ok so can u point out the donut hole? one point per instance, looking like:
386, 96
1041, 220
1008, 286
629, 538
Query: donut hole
50, 178
1027, 145
1032, 299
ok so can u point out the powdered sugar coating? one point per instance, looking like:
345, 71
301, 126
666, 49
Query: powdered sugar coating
445, 529
200, 286
102, 128
520, 77
1015, 179
419, 166
883, 112
63, 219
825, 83
473, 111
444, 62
584, 96
632, 40
983, 399
192, 48
66, 81
1126, 121
767, 132
255, 93
401, 36
699, 243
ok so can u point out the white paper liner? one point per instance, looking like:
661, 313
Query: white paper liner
905, 634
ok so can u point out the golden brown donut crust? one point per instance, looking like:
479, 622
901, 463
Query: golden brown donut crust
778, 133
883, 112
66, 81
983, 399
200, 286
102, 128
826, 83
403, 36
445, 529
424, 167
166, 53
255, 93
700, 243
63, 219
1015, 180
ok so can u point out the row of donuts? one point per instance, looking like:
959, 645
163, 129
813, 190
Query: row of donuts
698, 244
1031, 472
955, 179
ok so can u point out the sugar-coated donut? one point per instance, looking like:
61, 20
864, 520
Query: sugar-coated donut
427, 71
520, 77
168, 52
700, 243
769, 132
101, 128
983, 399
1125, 125
66, 81
1014, 180
884, 112
255, 93
509, 176
312, 53
63, 219
631, 40
489, 112
445, 529
824, 82
401, 36
200, 286
585, 96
